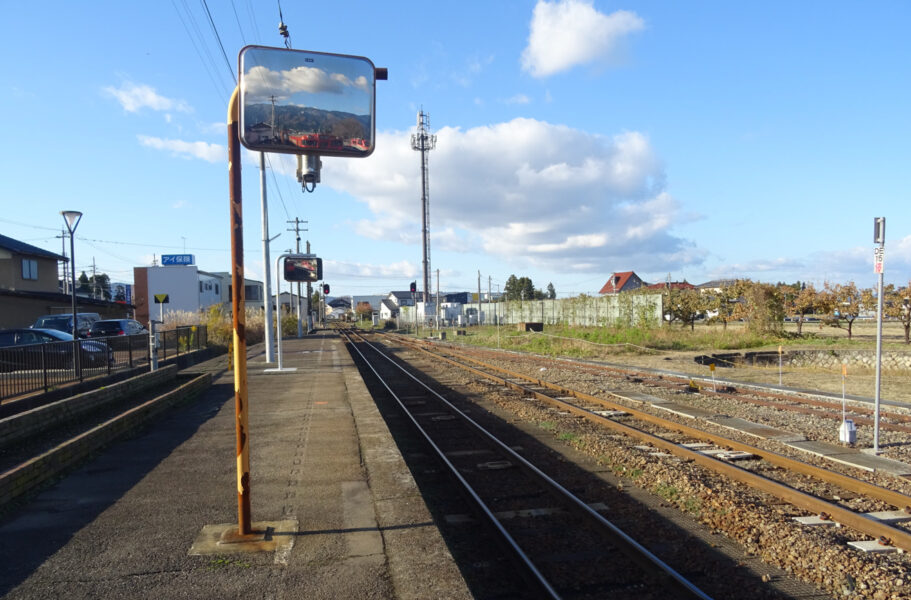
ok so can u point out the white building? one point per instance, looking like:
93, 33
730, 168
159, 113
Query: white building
187, 289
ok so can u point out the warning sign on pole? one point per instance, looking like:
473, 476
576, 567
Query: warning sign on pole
879, 255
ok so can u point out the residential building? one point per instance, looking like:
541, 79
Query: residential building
622, 281
29, 287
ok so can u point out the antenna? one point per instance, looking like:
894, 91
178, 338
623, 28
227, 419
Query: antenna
423, 141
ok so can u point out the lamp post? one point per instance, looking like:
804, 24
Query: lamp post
72, 217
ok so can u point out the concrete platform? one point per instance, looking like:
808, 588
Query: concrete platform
346, 517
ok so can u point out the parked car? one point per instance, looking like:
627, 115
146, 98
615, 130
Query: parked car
64, 322
110, 327
27, 348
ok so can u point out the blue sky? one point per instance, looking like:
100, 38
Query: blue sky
574, 138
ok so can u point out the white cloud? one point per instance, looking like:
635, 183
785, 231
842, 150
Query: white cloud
260, 83
133, 97
518, 99
402, 269
208, 152
528, 191
567, 33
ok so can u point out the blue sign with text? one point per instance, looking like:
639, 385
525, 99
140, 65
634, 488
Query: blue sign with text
176, 259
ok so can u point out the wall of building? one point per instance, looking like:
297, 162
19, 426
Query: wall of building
180, 283
11, 273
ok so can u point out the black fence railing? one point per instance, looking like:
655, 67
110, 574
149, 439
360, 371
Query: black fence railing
44, 367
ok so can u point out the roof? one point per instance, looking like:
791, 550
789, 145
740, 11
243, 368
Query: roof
617, 281
674, 285
27, 249
390, 306
340, 302
401, 295
716, 283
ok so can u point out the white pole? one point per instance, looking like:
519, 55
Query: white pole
267, 292
880, 233
278, 308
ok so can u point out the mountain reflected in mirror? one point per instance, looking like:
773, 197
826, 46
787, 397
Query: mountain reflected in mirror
301, 102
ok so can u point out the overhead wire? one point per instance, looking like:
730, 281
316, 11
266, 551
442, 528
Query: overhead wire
210, 66
237, 18
218, 38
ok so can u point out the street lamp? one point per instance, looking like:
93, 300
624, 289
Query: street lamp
72, 218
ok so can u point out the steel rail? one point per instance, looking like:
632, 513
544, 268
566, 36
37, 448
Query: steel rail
862, 523
634, 549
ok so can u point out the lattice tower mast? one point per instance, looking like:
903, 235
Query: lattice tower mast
423, 141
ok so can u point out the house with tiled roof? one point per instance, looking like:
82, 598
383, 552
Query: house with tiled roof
673, 285
622, 281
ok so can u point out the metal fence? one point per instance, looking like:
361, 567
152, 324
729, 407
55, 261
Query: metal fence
44, 367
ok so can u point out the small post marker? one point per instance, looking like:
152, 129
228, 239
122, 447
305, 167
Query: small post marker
712, 369
779, 365
847, 433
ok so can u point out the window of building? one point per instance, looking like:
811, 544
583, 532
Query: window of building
29, 269
200, 287
252, 292
216, 289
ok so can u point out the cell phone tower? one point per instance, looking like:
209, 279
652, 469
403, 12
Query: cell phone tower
423, 141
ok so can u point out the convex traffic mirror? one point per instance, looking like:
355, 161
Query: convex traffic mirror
301, 267
302, 102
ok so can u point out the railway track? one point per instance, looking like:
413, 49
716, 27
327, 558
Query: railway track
754, 473
561, 539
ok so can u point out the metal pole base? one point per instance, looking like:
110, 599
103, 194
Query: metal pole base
265, 536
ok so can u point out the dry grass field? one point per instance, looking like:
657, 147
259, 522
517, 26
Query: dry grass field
708, 339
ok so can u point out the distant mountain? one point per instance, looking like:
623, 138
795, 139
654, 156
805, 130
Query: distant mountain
301, 118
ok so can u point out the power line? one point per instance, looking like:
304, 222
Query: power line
209, 66
218, 38
236, 18
54, 229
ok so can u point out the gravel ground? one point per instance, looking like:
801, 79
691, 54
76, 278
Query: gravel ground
763, 525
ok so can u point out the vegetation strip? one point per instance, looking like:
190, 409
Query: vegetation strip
28, 475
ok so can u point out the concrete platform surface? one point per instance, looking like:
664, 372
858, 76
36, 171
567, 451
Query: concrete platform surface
122, 525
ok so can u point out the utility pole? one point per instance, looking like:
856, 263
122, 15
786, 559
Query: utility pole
297, 229
488, 294
309, 299
424, 142
94, 281
66, 263
479, 298
438, 299
267, 275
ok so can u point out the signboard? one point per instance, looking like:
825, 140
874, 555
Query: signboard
162, 299
303, 268
176, 259
879, 255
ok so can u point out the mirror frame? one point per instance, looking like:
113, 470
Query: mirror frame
317, 262
303, 56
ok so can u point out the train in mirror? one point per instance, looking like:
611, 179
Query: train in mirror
303, 102
303, 267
